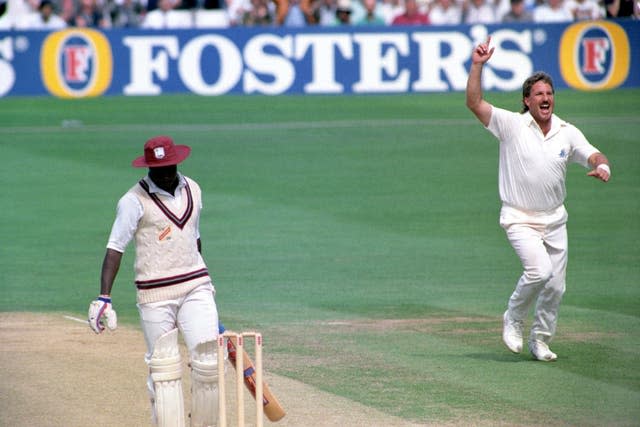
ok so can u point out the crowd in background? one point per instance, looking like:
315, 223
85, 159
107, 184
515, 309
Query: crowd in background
160, 14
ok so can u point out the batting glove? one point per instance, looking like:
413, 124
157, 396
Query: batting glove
101, 313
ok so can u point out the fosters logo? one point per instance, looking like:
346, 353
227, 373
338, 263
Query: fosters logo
76, 63
594, 55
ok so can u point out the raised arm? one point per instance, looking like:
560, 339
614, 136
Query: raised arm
475, 101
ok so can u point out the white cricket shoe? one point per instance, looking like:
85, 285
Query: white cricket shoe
540, 350
512, 333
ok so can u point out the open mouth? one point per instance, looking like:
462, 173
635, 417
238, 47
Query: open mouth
545, 106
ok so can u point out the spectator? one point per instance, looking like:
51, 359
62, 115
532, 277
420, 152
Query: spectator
424, 6
295, 17
622, 9
236, 10
202, 4
390, 9
411, 15
5, 19
126, 13
518, 13
166, 16
501, 8
343, 12
281, 11
67, 9
22, 7
18, 13
585, 10
479, 12
358, 11
155, 4
321, 12
189, 4
371, 16
307, 7
445, 12
552, 11
89, 15
47, 19
258, 14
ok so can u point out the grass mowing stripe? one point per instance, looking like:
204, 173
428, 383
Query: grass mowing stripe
302, 125
462, 373
379, 210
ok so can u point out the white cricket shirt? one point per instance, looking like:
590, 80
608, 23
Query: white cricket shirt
130, 210
532, 168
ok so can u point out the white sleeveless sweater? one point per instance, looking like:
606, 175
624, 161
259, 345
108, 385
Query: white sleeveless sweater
168, 264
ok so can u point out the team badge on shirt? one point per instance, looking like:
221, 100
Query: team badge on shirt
165, 234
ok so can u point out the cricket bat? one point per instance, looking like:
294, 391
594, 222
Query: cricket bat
272, 408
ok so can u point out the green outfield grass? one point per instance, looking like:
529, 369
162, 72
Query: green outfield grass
359, 234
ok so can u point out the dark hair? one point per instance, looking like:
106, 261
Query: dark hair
539, 76
44, 3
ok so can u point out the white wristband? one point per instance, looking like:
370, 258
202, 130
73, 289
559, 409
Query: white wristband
604, 167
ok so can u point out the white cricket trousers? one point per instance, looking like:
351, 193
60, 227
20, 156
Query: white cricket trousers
195, 315
540, 241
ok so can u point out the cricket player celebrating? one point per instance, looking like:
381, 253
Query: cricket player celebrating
174, 291
535, 149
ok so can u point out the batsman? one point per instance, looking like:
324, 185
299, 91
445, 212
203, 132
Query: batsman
175, 294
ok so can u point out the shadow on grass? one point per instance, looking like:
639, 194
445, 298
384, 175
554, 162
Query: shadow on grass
600, 362
504, 357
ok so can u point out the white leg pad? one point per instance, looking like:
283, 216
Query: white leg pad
166, 373
204, 385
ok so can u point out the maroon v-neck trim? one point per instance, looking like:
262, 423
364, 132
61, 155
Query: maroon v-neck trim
178, 221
